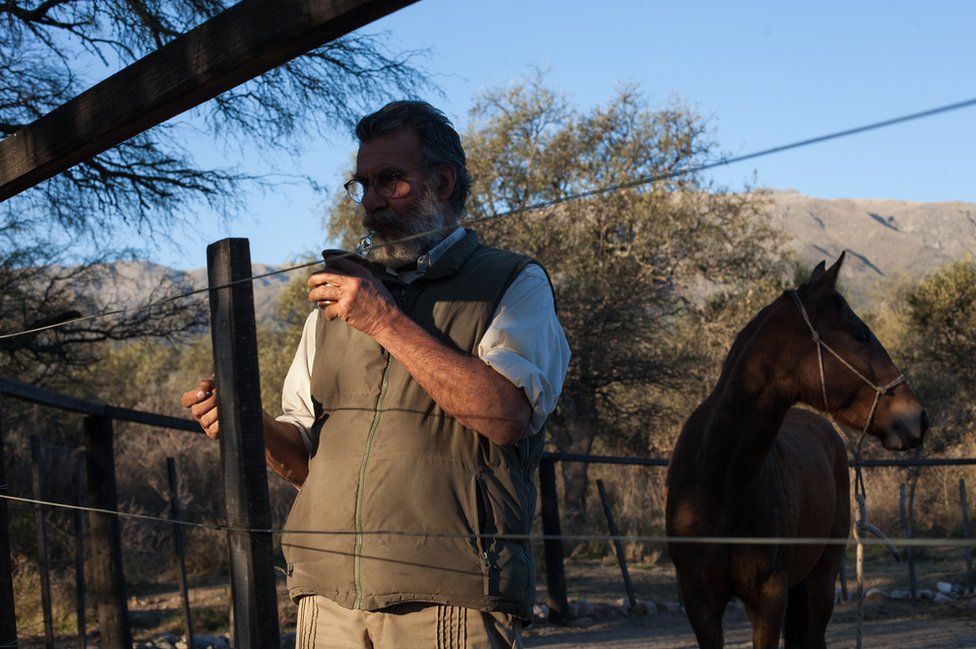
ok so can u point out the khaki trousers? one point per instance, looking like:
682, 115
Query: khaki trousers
323, 624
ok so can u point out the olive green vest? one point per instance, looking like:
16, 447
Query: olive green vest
386, 458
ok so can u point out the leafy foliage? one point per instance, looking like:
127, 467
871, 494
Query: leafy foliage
936, 342
146, 186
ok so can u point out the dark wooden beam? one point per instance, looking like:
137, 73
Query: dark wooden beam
40, 396
8, 617
556, 597
238, 44
108, 591
235, 351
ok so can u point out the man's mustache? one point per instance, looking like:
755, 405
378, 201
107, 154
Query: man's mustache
382, 220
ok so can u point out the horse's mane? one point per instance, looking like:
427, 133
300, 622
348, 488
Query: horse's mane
743, 338
716, 448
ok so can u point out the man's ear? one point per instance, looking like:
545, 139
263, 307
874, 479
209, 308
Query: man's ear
446, 179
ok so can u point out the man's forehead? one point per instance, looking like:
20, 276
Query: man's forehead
400, 149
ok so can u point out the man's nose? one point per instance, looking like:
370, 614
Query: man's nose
372, 200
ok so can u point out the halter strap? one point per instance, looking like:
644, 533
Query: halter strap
879, 390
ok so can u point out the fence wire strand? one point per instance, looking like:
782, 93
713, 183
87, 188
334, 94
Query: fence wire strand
533, 538
631, 184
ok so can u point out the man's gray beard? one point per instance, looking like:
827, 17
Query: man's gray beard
387, 227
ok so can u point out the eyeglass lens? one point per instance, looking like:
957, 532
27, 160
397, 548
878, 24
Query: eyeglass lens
387, 185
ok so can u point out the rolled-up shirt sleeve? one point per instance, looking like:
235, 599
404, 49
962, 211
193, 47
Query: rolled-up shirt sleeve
525, 343
296, 393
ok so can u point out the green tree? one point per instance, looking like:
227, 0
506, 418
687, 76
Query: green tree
937, 342
149, 184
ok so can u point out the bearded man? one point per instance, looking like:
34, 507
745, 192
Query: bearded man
414, 412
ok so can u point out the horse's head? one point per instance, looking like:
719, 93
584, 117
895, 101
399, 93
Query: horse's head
862, 387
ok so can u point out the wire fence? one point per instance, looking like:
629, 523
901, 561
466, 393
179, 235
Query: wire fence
531, 537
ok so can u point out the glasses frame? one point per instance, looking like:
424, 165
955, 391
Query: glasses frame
383, 183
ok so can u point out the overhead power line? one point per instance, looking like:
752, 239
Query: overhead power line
534, 207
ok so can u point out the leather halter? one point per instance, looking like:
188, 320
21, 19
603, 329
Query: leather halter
879, 390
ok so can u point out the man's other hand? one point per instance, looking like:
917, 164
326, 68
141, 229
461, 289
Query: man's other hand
348, 291
202, 403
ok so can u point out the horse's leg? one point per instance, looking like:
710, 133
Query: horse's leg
812, 603
766, 607
704, 605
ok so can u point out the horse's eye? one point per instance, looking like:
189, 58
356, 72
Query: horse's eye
862, 338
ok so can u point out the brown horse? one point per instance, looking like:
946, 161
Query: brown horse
748, 464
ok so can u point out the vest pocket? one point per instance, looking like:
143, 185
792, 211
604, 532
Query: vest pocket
485, 528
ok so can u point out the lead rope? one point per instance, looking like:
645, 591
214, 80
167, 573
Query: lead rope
861, 525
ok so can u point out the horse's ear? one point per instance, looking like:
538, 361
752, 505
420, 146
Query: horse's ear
816, 274
828, 280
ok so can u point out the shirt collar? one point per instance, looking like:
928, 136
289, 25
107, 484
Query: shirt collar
425, 261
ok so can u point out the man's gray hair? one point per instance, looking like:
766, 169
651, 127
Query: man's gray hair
440, 143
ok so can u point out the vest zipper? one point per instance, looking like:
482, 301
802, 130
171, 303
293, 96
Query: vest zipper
357, 556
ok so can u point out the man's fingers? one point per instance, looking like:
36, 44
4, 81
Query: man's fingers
199, 409
212, 431
192, 397
328, 277
325, 293
346, 266
203, 391
331, 310
208, 418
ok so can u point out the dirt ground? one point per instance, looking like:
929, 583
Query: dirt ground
889, 624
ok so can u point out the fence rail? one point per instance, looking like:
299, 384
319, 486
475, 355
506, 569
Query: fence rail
107, 589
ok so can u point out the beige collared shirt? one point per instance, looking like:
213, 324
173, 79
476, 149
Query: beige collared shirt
524, 343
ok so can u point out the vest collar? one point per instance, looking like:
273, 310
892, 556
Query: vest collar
448, 263
451, 259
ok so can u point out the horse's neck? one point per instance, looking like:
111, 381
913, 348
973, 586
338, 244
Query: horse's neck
740, 432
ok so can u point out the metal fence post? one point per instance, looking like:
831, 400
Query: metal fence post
970, 578
553, 547
8, 617
179, 550
108, 590
38, 474
245, 479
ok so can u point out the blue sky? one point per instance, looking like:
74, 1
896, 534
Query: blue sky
762, 73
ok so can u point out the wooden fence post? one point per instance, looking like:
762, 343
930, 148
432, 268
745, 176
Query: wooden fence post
79, 525
179, 549
968, 552
553, 547
38, 474
108, 590
617, 545
242, 445
8, 617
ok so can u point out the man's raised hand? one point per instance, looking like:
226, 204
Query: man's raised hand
348, 291
202, 403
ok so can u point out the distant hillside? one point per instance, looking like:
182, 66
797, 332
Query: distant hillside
129, 279
884, 238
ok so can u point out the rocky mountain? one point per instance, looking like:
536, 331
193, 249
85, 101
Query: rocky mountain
884, 238
135, 282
